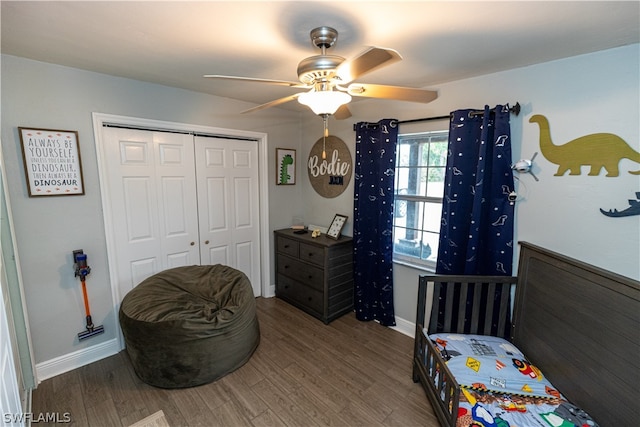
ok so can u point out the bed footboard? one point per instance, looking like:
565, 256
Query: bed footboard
460, 304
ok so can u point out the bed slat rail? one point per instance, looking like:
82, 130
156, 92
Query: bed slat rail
461, 302
431, 371
458, 304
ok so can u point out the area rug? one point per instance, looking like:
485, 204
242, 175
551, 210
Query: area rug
154, 420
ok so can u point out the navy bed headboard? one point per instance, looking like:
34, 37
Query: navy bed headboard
581, 326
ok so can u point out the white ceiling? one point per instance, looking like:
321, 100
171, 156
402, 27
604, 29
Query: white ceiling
176, 43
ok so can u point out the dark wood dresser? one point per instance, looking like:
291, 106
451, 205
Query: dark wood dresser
315, 274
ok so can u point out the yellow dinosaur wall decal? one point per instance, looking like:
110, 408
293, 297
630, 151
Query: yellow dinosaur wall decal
598, 150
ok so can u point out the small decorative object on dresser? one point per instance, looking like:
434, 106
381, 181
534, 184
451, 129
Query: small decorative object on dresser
315, 274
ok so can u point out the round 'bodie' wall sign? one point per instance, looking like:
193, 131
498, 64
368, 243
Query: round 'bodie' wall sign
330, 176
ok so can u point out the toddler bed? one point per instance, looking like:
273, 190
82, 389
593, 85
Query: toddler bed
567, 356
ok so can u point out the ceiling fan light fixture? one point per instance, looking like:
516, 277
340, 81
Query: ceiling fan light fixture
330, 78
324, 102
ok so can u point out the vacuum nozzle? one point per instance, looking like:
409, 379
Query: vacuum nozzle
95, 330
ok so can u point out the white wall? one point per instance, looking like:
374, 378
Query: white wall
48, 229
581, 95
591, 93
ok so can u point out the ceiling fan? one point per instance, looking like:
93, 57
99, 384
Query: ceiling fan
330, 79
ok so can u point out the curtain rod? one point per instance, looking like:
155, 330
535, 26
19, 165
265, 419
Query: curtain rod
514, 110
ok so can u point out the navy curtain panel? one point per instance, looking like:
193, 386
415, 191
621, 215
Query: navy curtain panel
476, 232
374, 172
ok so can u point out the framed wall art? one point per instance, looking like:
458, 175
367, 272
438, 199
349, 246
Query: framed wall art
52, 163
336, 226
285, 166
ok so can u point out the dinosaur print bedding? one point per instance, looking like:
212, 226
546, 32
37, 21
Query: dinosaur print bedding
501, 388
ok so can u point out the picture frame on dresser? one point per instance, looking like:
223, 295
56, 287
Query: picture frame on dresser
335, 229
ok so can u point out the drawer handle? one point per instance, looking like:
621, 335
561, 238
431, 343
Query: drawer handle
310, 254
286, 246
286, 266
310, 276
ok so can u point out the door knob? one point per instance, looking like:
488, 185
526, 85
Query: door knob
206, 242
192, 243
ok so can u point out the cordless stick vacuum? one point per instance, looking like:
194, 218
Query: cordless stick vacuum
82, 271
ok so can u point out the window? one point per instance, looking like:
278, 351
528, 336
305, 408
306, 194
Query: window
420, 169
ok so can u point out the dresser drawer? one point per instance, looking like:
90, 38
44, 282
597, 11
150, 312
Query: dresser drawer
303, 296
287, 246
313, 254
314, 274
300, 271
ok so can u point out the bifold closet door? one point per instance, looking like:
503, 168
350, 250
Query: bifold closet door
152, 203
228, 195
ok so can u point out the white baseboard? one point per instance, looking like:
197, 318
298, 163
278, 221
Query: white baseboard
71, 361
405, 327
271, 291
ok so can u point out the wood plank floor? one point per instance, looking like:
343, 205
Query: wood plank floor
304, 373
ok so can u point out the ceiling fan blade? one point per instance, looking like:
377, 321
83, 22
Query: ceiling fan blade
367, 61
399, 93
272, 103
342, 112
251, 79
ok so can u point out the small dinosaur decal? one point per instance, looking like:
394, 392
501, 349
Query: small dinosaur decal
284, 168
598, 150
633, 209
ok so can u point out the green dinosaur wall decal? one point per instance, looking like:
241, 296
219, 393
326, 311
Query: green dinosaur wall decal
284, 168
598, 150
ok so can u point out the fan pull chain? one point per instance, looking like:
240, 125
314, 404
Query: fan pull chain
324, 135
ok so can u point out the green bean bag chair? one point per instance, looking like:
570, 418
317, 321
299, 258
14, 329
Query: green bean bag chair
188, 326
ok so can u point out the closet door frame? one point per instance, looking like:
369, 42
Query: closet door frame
100, 119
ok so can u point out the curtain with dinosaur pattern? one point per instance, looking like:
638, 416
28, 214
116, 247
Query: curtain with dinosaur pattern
476, 234
374, 172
